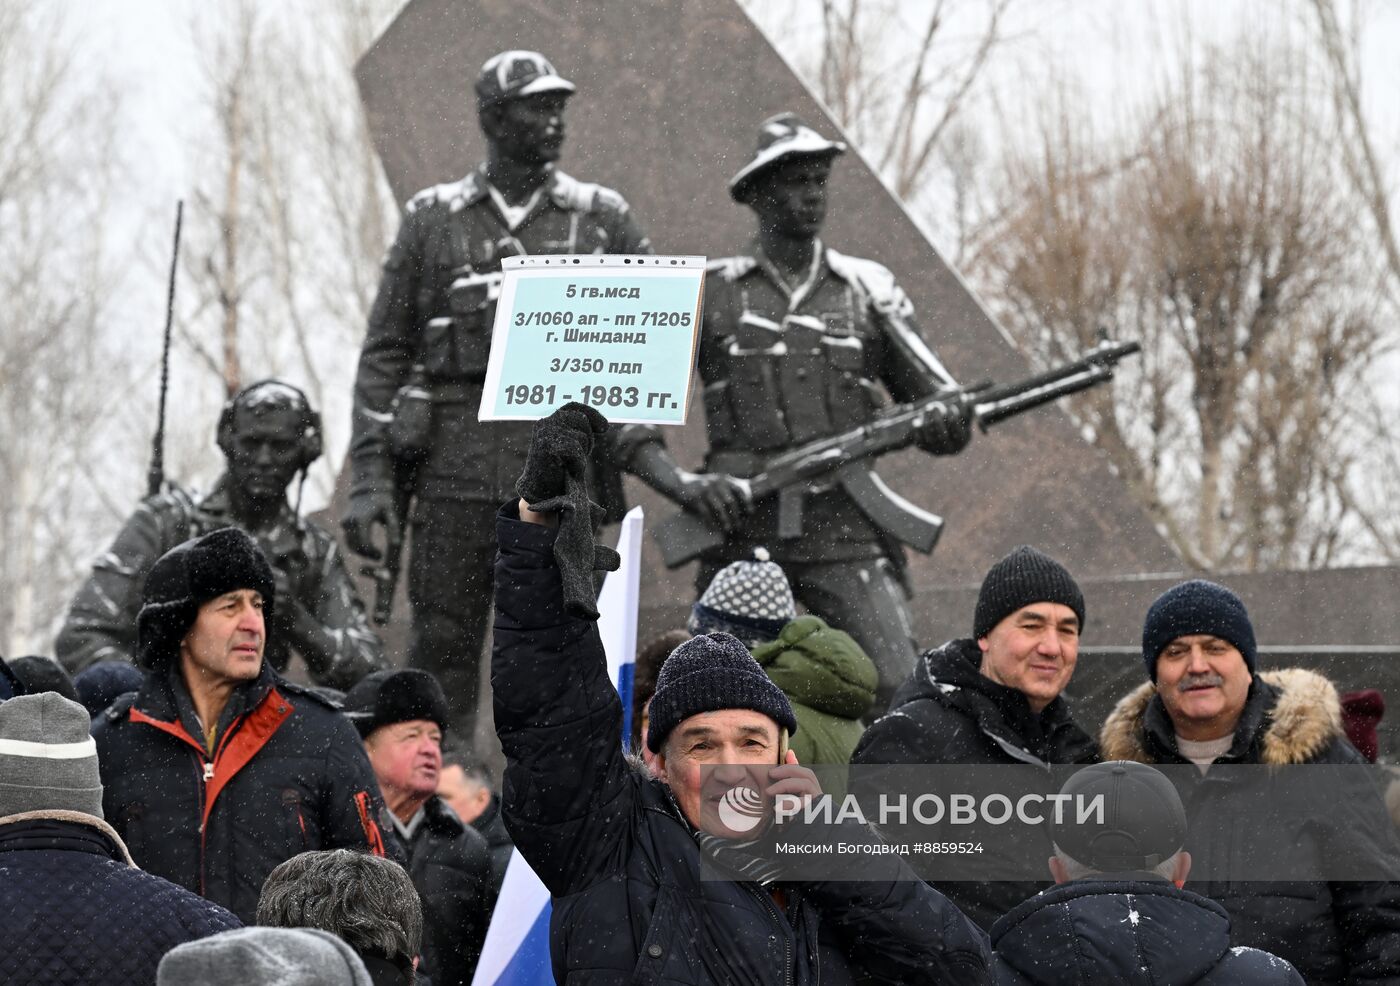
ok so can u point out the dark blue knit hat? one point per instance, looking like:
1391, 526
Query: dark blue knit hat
1194, 607
708, 673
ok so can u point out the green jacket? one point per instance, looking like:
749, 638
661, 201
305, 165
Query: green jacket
831, 684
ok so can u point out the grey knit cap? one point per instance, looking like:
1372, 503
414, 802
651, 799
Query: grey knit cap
264, 957
709, 673
749, 599
48, 759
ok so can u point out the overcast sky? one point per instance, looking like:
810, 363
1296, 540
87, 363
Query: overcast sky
1118, 52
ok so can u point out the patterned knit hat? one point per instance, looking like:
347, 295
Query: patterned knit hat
48, 760
1023, 577
749, 599
709, 673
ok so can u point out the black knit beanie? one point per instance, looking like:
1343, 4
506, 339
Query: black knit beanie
1023, 577
1194, 607
189, 575
709, 673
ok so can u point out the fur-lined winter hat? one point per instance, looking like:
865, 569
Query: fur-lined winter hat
399, 695
188, 576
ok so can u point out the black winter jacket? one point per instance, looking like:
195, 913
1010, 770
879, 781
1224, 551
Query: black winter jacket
948, 712
1134, 930
74, 909
624, 867
1334, 932
288, 774
451, 868
493, 829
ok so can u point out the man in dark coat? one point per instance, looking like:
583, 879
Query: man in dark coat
620, 850
74, 908
415, 434
1118, 913
269, 434
1206, 704
993, 698
218, 769
465, 785
402, 716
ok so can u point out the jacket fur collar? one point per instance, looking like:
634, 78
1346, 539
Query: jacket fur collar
1300, 717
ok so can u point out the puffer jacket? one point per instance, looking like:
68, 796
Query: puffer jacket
288, 773
493, 829
948, 712
621, 863
1334, 932
831, 684
1129, 931
451, 868
74, 909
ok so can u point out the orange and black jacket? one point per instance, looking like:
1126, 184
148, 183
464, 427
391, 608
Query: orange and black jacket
287, 773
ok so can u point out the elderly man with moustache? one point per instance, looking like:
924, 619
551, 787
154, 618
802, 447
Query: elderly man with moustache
1207, 704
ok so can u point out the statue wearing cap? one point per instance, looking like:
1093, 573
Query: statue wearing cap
415, 434
797, 343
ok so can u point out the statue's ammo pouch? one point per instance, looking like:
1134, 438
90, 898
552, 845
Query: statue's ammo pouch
410, 431
458, 345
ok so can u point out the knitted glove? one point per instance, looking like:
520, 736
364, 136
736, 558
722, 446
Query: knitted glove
555, 481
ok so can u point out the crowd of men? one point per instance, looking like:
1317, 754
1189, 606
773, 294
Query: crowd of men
174, 809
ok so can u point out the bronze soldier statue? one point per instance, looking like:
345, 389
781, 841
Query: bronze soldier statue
268, 433
415, 430
794, 340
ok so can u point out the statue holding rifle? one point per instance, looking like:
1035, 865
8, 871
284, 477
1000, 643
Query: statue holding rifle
801, 350
796, 343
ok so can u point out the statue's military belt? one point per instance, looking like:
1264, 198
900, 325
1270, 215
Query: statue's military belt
455, 391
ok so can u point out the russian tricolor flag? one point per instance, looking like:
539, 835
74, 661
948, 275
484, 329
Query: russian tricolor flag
516, 952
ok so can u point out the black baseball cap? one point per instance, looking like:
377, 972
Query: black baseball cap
1142, 823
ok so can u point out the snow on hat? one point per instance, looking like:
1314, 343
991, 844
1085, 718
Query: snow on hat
1023, 577
514, 74
48, 759
396, 695
779, 137
281, 956
709, 673
189, 575
1143, 823
1196, 607
749, 599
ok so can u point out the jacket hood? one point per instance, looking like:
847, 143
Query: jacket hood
1113, 932
1295, 714
821, 668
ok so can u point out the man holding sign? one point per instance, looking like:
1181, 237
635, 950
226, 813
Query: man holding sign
415, 429
795, 342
